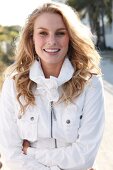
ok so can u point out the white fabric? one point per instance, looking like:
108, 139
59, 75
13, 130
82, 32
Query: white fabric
77, 138
49, 87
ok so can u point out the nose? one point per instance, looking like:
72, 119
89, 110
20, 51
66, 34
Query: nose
52, 40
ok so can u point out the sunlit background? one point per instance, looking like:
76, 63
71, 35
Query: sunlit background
14, 12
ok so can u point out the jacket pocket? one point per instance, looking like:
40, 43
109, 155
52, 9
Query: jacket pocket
71, 121
28, 126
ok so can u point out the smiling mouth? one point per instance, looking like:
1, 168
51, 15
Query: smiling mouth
51, 50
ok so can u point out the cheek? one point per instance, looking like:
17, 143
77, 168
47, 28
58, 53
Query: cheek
38, 41
65, 42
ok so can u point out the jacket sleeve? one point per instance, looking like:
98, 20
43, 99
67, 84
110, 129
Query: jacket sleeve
10, 142
81, 154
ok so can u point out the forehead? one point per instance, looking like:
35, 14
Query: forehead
50, 20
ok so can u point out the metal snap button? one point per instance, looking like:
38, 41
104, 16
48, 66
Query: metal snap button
68, 121
80, 116
32, 118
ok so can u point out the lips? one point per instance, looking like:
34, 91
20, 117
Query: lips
51, 50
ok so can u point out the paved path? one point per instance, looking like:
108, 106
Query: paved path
104, 160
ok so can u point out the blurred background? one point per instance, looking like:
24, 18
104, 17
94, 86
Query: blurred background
98, 16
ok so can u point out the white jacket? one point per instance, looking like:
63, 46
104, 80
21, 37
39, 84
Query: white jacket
62, 135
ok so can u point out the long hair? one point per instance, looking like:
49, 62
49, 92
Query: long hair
82, 54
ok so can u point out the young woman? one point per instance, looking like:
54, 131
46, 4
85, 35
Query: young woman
52, 102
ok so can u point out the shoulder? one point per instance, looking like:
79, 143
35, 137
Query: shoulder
94, 85
8, 87
8, 82
8, 95
96, 81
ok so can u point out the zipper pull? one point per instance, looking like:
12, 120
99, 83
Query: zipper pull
52, 111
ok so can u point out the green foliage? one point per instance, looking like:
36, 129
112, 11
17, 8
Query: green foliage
93, 7
8, 34
77, 4
97, 10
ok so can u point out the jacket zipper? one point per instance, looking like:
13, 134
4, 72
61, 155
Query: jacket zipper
53, 116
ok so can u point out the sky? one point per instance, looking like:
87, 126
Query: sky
15, 12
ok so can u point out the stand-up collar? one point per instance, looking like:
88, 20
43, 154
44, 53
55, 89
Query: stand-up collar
50, 85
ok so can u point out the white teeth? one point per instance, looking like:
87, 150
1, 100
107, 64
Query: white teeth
51, 50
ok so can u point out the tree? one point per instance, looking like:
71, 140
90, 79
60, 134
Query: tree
97, 10
8, 35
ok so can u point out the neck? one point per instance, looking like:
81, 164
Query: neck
51, 69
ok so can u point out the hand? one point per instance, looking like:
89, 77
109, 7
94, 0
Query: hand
26, 144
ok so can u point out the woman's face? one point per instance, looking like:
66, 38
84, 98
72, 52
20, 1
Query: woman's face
50, 38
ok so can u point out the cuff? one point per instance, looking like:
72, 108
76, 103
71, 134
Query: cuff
31, 151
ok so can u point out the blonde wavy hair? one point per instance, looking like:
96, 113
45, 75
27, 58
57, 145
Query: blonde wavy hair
82, 54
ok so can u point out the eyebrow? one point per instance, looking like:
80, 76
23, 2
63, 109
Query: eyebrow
59, 29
